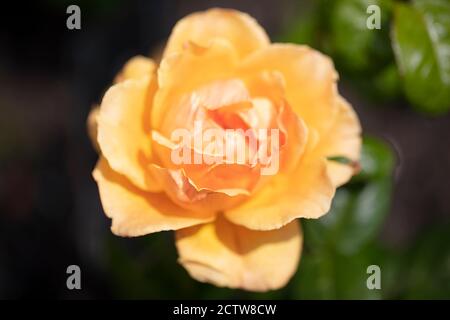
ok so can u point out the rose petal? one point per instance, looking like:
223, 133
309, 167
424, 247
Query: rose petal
181, 73
228, 255
309, 76
268, 84
296, 133
123, 130
202, 104
222, 93
241, 30
183, 192
342, 139
135, 212
135, 68
229, 178
305, 193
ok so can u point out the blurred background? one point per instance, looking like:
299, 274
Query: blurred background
395, 213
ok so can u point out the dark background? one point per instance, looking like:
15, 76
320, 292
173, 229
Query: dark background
50, 213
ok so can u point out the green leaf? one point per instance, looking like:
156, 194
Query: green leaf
386, 84
421, 42
340, 159
355, 217
326, 274
427, 271
365, 216
308, 23
377, 160
357, 48
303, 29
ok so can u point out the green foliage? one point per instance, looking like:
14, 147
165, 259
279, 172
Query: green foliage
357, 48
386, 83
421, 39
409, 55
427, 266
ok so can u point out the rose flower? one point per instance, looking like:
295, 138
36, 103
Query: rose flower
235, 224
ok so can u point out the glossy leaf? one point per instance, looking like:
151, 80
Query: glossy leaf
421, 41
357, 47
377, 160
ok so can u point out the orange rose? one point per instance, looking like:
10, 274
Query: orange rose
235, 226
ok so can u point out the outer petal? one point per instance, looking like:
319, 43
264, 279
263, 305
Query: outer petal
305, 193
241, 30
181, 73
309, 76
342, 139
124, 132
136, 68
135, 212
228, 255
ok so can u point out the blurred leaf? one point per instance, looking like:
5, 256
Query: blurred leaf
325, 274
340, 159
309, 25
377, 160
421, 41
427, 271
315, 277
386, 84
365, 215
357, 48
359, 208
303, 29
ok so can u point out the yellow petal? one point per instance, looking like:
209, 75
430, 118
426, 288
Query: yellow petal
183, 192
228, 255
181, 73
135, 212
241, 30
124, 130
214, 98
342, 139
305, 193
296, 133
309, 76
272, 86
229, 178
137, 67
